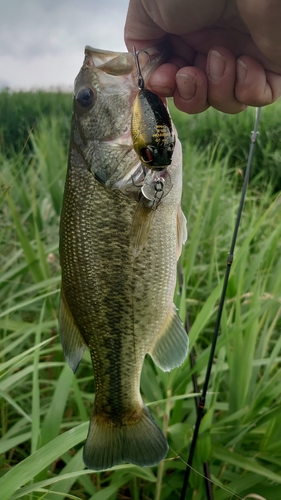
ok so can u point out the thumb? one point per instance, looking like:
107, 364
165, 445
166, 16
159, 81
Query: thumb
140, 30
263, 19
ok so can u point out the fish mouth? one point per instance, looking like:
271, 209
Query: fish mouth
123, 63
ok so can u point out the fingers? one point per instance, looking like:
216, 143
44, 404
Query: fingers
218, 80
210, 82
226, 84
235, 84
188, 86
254, 85
163, 80
221, 72
191, 91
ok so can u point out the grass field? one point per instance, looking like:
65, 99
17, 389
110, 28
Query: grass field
45, 409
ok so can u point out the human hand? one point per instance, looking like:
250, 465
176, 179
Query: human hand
221, 54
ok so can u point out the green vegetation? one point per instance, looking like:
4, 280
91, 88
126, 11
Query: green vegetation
231, 133
45, 409
20, 114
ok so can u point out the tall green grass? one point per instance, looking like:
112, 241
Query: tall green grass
45, 409
20, 113
231, 132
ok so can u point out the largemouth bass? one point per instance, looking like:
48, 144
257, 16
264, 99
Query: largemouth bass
114, 300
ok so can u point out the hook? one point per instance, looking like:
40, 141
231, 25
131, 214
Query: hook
140, 77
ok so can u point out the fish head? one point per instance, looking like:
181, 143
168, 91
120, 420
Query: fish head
104, 93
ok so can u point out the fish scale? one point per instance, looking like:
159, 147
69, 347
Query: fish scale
117, 303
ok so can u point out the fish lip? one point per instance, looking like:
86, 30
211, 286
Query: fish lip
149, 60
104, 55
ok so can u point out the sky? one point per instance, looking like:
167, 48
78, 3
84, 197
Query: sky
42, 41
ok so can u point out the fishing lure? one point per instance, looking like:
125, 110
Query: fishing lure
152, 130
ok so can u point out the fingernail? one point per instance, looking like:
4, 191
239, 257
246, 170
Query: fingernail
186, 86
241, 71
217, 64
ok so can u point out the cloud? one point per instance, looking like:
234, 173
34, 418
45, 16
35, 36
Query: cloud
42, 41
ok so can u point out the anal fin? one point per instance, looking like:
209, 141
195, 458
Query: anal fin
71, 339
170, 347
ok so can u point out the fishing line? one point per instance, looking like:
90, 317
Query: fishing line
230, 257
219, 485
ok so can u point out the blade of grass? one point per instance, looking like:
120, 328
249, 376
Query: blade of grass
25, 471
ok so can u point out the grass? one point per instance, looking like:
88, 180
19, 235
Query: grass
231, 132
45, 409
21, 112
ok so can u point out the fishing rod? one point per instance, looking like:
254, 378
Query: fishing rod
202, 398
206, 468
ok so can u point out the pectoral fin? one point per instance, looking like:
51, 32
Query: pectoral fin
72, 341
141, 226
170, 347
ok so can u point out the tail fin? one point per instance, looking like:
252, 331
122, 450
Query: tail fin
141, 443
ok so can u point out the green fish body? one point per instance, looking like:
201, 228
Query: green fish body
115, 300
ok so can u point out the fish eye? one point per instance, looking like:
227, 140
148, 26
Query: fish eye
85, 97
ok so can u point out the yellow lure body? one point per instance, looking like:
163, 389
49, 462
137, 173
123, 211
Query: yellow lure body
152, 131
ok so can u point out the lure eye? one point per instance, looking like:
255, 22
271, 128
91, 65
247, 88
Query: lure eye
85, 97
148, 154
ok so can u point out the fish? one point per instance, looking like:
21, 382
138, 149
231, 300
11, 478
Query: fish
117, 302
